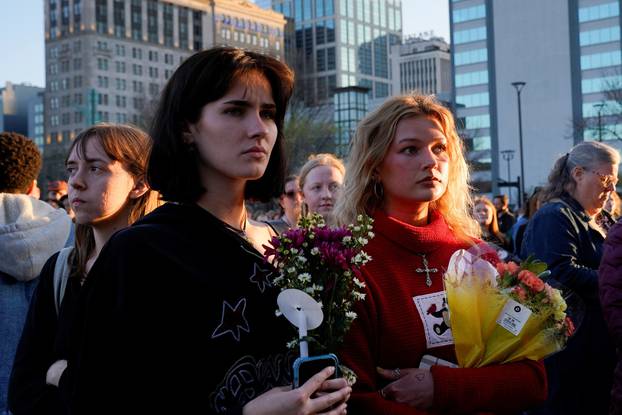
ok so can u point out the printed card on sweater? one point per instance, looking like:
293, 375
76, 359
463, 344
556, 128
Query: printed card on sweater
434, 315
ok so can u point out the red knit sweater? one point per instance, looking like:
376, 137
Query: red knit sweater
390, 333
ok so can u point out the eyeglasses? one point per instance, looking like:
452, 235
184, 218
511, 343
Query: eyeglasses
291, 194
606, 179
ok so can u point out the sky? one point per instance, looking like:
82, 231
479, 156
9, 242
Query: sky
21, 34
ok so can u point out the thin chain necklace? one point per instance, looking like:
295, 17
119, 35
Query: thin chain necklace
242, 231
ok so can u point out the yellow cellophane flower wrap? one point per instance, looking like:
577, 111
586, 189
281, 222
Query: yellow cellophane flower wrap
475, 303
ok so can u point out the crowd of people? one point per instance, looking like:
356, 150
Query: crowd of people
154, 295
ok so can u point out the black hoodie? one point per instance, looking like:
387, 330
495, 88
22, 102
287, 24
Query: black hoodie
178, 317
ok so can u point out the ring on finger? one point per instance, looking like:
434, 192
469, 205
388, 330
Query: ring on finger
396, 373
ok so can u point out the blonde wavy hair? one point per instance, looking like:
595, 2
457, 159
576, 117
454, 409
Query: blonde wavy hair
370, 145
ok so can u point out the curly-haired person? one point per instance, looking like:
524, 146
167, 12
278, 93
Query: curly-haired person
30, 232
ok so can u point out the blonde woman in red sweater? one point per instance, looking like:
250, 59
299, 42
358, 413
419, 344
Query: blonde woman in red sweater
407, 170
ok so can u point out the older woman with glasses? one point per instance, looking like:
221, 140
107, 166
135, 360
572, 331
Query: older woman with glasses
565, 235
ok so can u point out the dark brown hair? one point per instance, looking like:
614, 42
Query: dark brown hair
129, 146
203, 78
20, 163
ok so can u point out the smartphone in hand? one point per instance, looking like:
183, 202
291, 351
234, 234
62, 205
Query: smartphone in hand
307, 367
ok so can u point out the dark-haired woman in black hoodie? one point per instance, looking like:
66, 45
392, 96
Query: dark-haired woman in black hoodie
180, 310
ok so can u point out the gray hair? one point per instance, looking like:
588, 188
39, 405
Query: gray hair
587, 154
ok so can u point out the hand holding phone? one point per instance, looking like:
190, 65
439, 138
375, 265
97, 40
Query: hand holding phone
306, 367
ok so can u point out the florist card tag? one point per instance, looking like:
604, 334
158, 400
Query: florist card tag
434, 315
513, 317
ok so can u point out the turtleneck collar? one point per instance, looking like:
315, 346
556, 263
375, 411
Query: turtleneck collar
417, 239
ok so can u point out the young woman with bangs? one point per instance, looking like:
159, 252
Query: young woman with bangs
106, 167
180, 313
407, 170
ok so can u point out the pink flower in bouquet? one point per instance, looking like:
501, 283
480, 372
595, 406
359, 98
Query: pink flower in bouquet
531, 280
510, 268
325, 263
501, 339
520, 293
569, 326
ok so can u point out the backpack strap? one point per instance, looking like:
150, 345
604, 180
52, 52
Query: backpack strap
61, 275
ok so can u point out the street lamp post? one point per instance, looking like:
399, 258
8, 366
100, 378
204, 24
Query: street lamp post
519, 85
507, 156
599, 108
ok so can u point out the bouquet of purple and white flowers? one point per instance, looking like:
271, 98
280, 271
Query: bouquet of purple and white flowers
325, 263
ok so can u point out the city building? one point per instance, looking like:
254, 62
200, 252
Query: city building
21, 110
422, 65
560, 59
107, 60
36, 119
341, 43
351, 105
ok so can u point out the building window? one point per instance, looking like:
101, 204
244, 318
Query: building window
77, 14
102, 99
331, 61
471, 56
320, 58
101, 16
472, 78
469, 13
102, 64
600, 60
477, 121
382, 89
137, 53
154, 89
121, 101
152, 21
102, 81
604, 35
197, 30
168, 24
118, 15
136, 19
601, 11
469, 35
120, 67
183, 27
473, 100
596, 85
